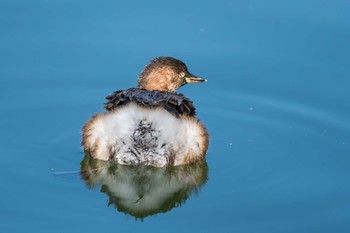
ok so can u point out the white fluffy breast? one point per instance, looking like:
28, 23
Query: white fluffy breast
137, 135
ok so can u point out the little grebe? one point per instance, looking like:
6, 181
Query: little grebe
149, 125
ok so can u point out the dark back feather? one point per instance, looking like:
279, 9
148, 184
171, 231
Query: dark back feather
176, 104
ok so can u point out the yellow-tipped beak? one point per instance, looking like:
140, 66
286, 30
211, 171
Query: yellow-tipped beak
194, 79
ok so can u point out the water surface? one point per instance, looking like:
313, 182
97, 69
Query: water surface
276, 106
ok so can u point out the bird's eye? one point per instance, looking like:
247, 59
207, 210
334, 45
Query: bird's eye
182, 74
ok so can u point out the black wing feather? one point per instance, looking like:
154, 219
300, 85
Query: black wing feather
176, 104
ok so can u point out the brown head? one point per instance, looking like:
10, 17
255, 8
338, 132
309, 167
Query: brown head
166, 74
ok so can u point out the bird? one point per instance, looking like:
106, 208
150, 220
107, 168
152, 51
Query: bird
150, 125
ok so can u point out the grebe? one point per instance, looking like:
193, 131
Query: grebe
149, 125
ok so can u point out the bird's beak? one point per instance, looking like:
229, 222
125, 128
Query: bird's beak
194, 79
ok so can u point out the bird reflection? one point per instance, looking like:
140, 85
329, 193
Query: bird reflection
142, 191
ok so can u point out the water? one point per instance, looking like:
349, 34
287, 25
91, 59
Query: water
276, 106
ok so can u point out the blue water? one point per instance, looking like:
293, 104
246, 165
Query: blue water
276, 106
